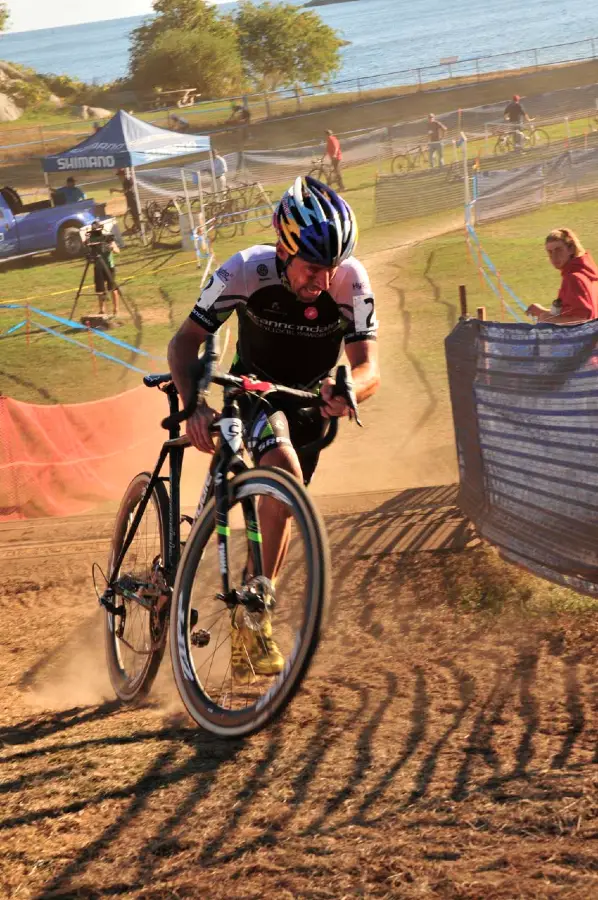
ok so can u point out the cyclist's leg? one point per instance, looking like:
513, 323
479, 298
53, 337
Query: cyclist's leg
100, 287
273, 440
336, 165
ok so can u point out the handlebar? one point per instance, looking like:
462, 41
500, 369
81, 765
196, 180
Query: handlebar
204, 373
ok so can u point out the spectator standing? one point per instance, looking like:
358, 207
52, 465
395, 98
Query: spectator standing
128, 189
103, 247
515, 114
436, 132
220, 170
578, 297
69, 193
334, 153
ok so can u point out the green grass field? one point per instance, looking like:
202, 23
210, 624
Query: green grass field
161, 286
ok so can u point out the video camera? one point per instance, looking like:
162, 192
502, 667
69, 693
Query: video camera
97, 241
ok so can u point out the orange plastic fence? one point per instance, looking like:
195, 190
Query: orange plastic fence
65, 459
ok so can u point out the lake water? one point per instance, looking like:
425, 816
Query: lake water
385, 35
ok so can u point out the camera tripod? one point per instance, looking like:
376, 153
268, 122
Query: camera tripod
93, 260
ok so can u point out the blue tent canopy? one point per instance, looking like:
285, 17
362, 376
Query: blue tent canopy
126, 141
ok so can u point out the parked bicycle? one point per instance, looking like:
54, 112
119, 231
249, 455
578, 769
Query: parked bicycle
157, 218
415, 158
197, 597
325, 172
521, 138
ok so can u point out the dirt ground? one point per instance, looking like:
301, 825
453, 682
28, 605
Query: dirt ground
444, 744
433, 752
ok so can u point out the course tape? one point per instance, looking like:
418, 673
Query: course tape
472, 234
84, 293
80, 327
71, 340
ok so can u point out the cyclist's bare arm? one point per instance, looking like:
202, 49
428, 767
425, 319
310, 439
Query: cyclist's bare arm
182, 353
365, 371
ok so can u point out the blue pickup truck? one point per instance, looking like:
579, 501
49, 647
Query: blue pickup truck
31, 228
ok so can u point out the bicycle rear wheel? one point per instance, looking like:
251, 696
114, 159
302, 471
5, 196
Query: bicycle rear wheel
502, 145
226, 687
135, 639
539, 138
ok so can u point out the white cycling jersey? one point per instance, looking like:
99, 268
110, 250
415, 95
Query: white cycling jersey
281, 337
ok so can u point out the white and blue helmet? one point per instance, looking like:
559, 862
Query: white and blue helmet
315, 223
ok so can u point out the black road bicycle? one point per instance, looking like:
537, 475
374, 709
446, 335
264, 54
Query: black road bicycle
200, 595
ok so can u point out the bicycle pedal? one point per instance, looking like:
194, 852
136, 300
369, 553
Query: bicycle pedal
201, 638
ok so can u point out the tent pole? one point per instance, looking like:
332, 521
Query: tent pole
47, 180
214, 188
136, 192
203, 224
187, 202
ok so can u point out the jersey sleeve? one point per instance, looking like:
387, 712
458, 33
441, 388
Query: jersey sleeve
222, 294
358, 306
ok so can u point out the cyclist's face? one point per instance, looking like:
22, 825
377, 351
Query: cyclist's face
558, 253
307, 280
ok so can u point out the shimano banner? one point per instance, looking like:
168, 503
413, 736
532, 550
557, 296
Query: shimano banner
126, 141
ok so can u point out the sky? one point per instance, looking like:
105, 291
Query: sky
27, 15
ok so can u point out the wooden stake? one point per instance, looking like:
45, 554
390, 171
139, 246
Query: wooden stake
463, 299
481, 313
503, 311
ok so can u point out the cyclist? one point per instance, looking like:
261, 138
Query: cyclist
436, 133
516, 115
297, 303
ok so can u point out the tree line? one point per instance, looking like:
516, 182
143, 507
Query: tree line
190, 44
257, 47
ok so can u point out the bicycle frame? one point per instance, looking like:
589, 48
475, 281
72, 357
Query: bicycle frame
174, 449
225, 460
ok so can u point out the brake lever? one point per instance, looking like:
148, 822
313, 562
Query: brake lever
343, 387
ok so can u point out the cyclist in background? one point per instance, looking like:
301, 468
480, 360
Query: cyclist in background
436, 133
297, 304
334, 153
515, 114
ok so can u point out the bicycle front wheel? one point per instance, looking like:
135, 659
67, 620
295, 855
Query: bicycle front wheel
400, 164
236, 669
135, 637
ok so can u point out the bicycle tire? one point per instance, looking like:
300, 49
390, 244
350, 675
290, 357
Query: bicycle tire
128, 690
227, 223
169, 218
202, 707
400, 164
539, 138
265, 220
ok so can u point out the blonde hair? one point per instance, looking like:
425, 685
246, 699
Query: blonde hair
569, 239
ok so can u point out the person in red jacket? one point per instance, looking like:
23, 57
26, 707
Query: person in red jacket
578, 297
333, 151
